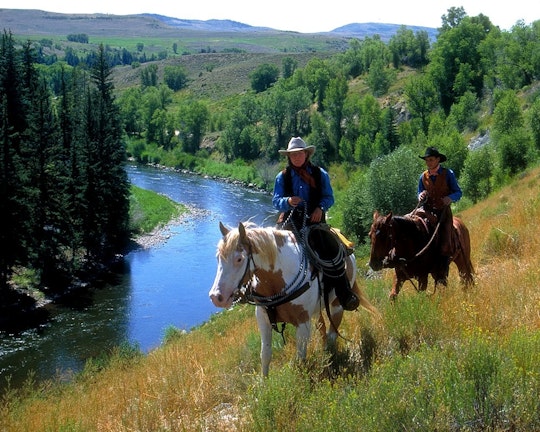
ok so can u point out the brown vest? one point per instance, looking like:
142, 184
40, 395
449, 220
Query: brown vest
436, 190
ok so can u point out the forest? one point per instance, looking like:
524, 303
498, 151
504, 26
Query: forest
64, 193
370, 110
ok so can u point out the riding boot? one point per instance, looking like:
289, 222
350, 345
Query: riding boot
347, 298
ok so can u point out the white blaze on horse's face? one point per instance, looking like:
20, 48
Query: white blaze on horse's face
228, 276
230, 271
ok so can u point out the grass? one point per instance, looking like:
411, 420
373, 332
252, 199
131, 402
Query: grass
149, 210
451, 361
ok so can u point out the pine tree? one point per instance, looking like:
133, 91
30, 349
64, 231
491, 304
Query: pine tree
107, 190
13, 210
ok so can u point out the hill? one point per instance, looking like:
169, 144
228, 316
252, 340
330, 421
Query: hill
385, 31
449, 360
218, 55
215, 76
38, 23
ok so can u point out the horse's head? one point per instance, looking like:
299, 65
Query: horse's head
233, 256
380, 235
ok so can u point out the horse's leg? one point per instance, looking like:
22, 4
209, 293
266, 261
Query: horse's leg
396, 286
321, 326
422, 282
265, 329
303, 334
336, 316
465, 269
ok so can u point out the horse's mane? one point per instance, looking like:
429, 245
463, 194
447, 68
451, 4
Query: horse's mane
404, 220
263, 241
410, 223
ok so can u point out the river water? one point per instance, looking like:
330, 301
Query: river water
161, 287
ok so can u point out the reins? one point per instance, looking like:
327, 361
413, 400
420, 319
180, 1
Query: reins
403, 262
246, 293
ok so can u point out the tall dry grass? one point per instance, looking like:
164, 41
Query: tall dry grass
452, 360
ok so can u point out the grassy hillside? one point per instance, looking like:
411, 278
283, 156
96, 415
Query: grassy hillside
451, 360
214, 76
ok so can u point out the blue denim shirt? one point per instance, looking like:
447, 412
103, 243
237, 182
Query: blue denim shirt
301, 189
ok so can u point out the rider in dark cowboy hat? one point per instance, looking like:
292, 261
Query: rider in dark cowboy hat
437, 189
303, 194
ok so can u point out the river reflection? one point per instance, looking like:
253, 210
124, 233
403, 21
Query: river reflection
166, 285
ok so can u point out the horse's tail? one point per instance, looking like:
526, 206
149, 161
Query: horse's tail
465, 265
364, 301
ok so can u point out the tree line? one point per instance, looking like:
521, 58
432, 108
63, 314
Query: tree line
64, 192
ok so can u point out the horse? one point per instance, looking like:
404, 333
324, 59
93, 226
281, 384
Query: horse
406, 243
270, 268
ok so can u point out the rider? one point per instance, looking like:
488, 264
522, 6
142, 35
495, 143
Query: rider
303, 194
437, 189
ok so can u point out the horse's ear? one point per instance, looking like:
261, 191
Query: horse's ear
224, 230
375, 215
242, 231
388, 217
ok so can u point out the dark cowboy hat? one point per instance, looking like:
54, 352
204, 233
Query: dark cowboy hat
432, 151
298, 144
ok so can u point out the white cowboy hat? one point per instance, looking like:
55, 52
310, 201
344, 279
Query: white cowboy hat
298, 144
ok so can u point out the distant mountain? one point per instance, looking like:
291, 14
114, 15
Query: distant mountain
358, 30
385, 31
38, 22
208, 25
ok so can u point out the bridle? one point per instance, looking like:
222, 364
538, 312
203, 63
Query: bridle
245, 290
402, 263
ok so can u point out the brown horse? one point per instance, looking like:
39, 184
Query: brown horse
407, 244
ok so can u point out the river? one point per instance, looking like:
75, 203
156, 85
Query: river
161, 287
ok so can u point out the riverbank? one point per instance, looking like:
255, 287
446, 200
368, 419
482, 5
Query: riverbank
162, 233
236, 182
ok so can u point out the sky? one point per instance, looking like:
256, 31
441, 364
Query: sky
300, 15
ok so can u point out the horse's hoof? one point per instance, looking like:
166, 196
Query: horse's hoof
352, 303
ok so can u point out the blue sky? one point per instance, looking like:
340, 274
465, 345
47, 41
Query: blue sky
300, 15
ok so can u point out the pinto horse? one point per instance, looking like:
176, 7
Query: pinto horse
406, 244
269, 268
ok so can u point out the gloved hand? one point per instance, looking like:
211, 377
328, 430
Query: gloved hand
447, 200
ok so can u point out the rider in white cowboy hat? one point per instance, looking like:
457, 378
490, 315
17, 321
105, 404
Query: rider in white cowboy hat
302, 185
303, 194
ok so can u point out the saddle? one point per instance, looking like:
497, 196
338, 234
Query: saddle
429, 219
446, 237
327, 250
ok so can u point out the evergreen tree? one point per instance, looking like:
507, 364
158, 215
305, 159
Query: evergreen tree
107, 191
48, 182
13, 210
71, 155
